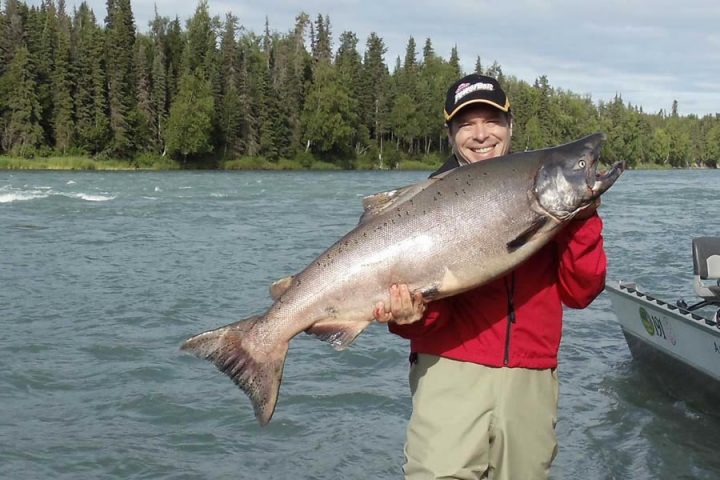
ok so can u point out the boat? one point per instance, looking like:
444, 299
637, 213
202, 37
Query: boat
677, 343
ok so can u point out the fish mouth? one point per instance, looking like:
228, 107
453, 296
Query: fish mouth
601, 181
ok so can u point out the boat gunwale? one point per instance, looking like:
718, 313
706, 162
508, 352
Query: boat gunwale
631, 290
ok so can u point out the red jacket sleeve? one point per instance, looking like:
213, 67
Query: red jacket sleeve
581, 274
436, 314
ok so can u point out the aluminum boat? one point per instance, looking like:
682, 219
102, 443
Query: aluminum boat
676, 342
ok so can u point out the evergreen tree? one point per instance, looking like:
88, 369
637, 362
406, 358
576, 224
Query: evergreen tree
21, 120
120, 45
275, 131
348, 64
174, 46
90, 97
322, 46
159, 97
145, 139
478, 66
201, 57
299, 76
42, 54
12, 31
375, 95
231, 101
454, 63
201, 38
62, 81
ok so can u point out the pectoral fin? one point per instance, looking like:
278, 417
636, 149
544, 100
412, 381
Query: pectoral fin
338, 333
527, 234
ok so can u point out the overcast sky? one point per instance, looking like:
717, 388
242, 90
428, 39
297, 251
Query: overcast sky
650, 51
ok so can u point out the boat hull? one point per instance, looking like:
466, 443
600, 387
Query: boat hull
678, 348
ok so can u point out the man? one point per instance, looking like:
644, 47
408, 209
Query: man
483, 363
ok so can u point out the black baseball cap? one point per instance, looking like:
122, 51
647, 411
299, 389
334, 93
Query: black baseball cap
474, 88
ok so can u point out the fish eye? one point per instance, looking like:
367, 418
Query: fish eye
581, 164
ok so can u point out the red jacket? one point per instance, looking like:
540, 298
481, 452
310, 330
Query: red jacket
478, 326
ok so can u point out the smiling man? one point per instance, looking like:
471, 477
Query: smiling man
483, 363
479, 121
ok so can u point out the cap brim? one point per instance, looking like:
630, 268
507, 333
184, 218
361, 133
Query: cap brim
449, 116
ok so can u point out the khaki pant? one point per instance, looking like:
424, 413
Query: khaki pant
475, 422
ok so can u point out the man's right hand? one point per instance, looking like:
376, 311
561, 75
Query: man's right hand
404, 307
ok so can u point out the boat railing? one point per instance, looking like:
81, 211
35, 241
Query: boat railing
680, 306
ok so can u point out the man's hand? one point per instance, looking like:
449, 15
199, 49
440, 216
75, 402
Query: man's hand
404, 308
588, 211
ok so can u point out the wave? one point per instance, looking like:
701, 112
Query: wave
11, 195
22, 196
89, 197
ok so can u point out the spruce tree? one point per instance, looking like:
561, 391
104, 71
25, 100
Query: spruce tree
62, 81
322, 45
375, 94
21, 120
120, 45
159, 74
231, 102
348, 64
145, 139
92, 126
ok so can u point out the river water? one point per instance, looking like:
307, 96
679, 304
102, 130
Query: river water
103, 275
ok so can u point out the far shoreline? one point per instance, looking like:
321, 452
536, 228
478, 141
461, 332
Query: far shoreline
249, 164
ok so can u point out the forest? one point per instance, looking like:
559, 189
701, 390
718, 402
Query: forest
208, 93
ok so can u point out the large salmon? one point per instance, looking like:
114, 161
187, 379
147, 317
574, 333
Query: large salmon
441, 237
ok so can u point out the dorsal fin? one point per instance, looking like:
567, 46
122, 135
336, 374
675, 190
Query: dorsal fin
383, 201
280, 286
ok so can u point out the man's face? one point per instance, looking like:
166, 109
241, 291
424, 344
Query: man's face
480, 132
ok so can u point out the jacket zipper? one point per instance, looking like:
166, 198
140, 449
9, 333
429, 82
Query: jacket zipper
510, 316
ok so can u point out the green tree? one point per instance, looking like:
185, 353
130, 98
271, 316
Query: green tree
713, 145
190, 122
348, 64
322, 44
330, 115
92, 125
145, 139
120, 45
404, 121
659, 151
21, 120
231, 105
375, 95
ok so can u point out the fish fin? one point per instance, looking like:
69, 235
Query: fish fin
380, 202
340, 334
280, 286
232, 350
527, 234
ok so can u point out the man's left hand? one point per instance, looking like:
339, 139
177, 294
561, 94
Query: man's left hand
588, 211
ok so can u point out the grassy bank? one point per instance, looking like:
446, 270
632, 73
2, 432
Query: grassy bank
150, 162
85, 163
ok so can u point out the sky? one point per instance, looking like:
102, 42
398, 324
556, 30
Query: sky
651, 52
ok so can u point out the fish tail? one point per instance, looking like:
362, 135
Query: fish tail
233, 349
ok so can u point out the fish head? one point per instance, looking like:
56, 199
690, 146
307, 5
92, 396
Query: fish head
568, 181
